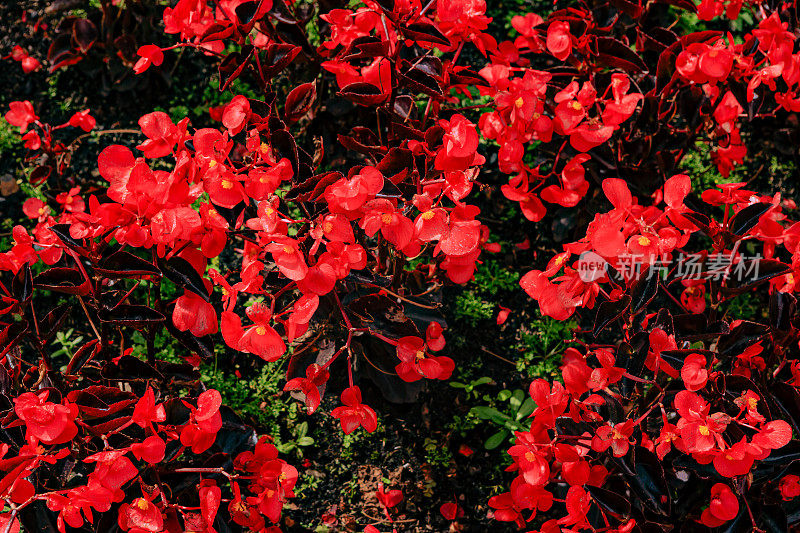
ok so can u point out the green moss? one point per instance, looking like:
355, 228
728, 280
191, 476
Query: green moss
541, 344
9, 136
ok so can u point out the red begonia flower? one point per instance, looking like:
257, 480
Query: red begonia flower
149, 54
353, 414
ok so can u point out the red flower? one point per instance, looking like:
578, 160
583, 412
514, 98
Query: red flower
115, 163
261, 182
382, 215
607, 374
210, 498
790, 487
21, 115
192, 313
140, 516
146, 411
161, 134
451, 511
309, 386
550, 403
354, 414
29, 64
82, 120
79, 499
559, 40
223, 186
350, 194
390, 498
660, 341
32, 140
736, 460
35, 209
505, 510
205, 422
112, 470
773, 435
48, 422
724, 506
289, 259
578, 503
416, 364
694, 373
302, 312
693, 296
434, 336
236, 113
150, 450
618, 437
667, 437
259, 339
463, 234
749, 360
532, 460
149, 54
502, 315
699, 431
459, 148
70, 200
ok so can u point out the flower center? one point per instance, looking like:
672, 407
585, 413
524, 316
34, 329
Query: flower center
141, 504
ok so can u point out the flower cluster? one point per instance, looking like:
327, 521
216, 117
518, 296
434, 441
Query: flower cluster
287, 235
684, 401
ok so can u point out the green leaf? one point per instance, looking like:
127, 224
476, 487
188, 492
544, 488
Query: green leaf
302, 429
305, 441
496, 440
490, 413
516, 399
527, 408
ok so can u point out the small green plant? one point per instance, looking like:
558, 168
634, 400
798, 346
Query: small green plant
436, 453
469, 388
540, 345
519, 408
301, 440
66, 343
